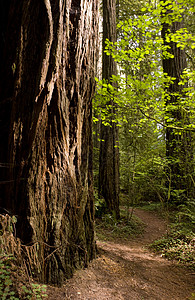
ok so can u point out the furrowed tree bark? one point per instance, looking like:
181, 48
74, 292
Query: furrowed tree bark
109, 152
179, 150
47, 84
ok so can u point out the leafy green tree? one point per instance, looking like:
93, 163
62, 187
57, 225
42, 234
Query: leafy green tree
142, 152
144, 84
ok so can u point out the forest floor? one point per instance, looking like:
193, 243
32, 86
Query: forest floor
128, 270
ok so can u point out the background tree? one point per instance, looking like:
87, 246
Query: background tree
179, 149
47, 69
109, 153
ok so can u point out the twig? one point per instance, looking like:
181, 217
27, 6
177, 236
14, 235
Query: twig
164, 125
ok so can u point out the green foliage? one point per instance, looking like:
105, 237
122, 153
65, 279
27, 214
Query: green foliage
186, 215
151, 206
100, 206
34, 291
108, 228
142, 161
141, 95
143, 83
7, 290
178, 245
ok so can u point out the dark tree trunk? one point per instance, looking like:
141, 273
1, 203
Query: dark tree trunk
109, 152
47, 71
179, 150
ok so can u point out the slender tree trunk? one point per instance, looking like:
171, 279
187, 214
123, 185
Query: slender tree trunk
46, 132
109, 152
179, 150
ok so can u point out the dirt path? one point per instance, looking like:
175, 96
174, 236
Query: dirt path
128, 271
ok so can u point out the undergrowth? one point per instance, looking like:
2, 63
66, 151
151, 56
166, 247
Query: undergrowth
15, 281
108, 228
179, 243
151, 206
177, 246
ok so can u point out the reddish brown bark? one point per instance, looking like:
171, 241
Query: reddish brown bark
179, 149
109, 152
46, 91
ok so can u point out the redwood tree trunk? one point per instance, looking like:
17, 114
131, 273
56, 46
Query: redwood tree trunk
49, 57
179, 149
109, 152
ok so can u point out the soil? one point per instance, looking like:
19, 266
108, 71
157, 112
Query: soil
128, 270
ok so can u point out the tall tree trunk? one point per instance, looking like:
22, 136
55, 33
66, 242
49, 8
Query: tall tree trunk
109, 152
47, 83
179, 150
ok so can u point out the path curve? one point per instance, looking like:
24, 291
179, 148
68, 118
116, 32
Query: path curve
128, 271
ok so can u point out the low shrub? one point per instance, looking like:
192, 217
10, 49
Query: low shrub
108, 228
178, 245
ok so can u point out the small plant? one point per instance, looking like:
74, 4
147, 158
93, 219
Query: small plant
108, 228
100, 207
186, 215
33, 291
178, 245
7, 290
15, 282
151, 206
